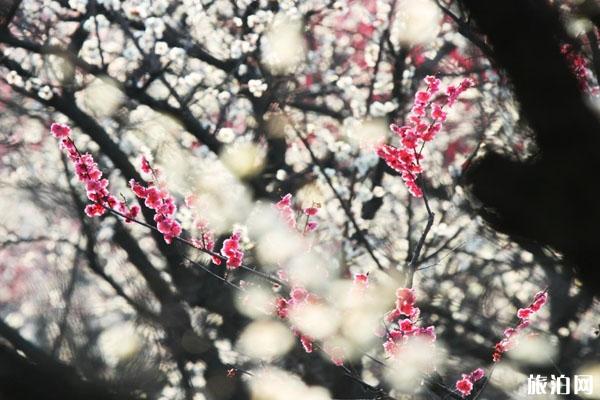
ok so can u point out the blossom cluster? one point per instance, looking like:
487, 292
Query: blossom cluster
232, 251
405, 315
403, 318
465, 385
298, 296
89, 174
286, 211
163, 204
406, 158
155, 195
158, 199
509, 338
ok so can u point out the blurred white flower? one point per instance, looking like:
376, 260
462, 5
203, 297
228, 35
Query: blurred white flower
283, 47
78, 5
226, 135
102, 97
265, 340
257, 87
119, 343
275, 384
317, 321
13, 78
161, 48
417, 22
45, 92
244, 159
534, 350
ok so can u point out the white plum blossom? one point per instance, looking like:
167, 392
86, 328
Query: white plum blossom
257, 87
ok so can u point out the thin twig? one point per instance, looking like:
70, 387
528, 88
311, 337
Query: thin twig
412, 265
382, 41
345, 206
205, 269
188, 242
485, 383
68, 296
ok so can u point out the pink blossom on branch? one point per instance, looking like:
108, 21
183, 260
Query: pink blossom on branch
406, 158
465, 384
286, 211
89, 174
311, 211
509, 339
307, 343
299, 297
145, 165
163, 204
60, 131
311, 226
361, 281
130, 213
405, 315
232, 251
281, 307
159, 200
